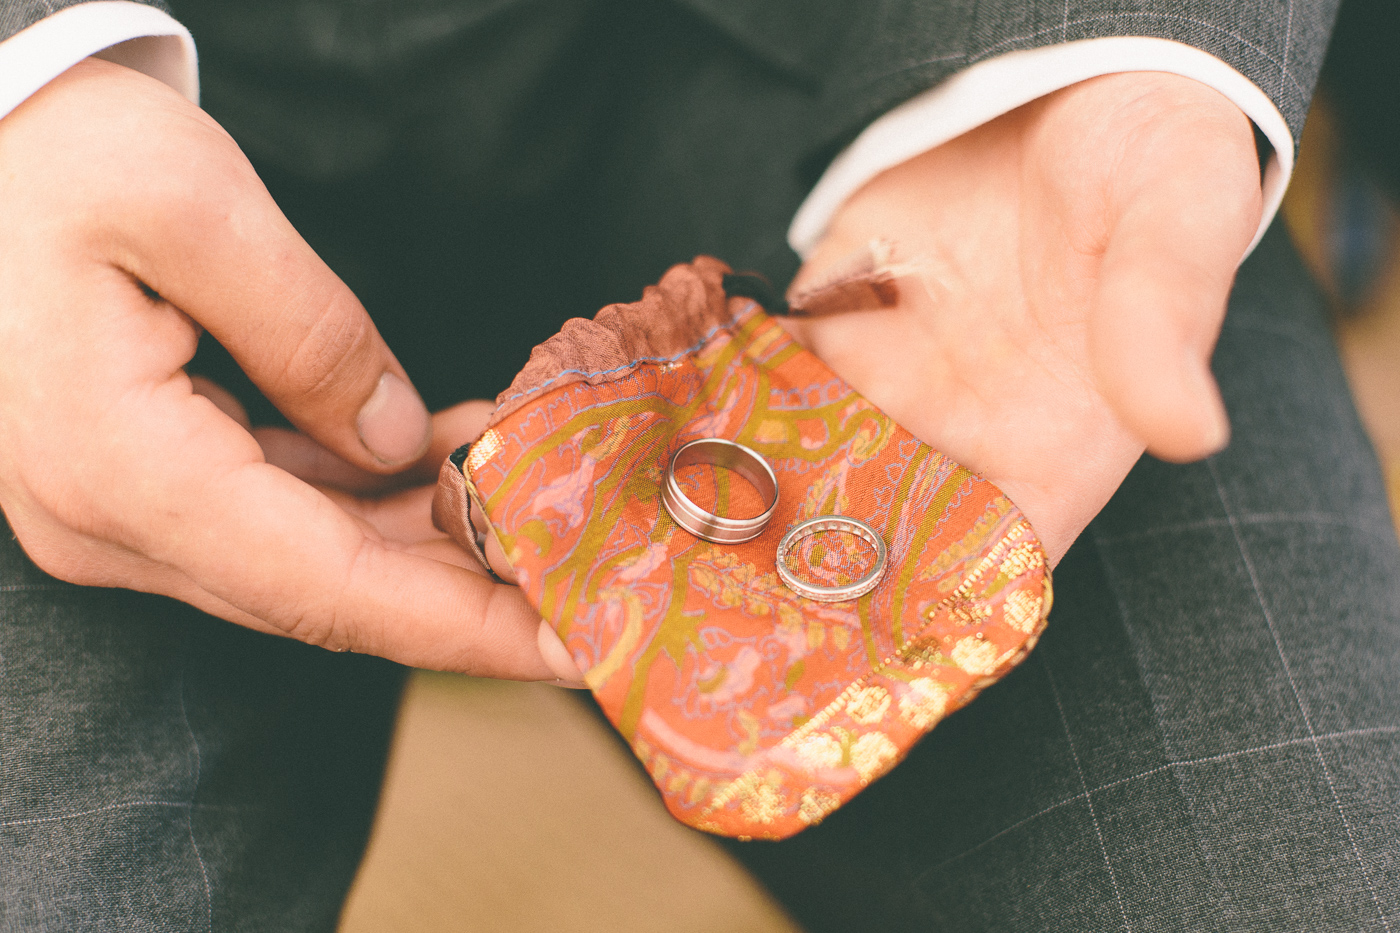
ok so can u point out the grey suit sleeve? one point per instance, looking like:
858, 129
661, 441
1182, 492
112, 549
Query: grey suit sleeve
16, 15
866, 56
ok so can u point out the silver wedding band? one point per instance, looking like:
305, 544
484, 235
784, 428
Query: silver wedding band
831, 594
736, 457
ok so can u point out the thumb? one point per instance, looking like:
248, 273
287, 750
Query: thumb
215, 245
1163, 287
1152, 332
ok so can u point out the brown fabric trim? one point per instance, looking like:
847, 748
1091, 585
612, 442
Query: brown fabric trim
451, 506
866, 281
674, 317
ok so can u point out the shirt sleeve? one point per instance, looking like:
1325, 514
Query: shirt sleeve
132, 34
999, 85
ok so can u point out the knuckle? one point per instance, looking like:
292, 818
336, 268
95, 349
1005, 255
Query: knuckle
337, 338
202, 175
315, 625
328, 621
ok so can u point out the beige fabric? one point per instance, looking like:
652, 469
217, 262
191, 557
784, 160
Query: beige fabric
450, 507
508, 808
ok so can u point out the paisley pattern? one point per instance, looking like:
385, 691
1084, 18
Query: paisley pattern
756, 712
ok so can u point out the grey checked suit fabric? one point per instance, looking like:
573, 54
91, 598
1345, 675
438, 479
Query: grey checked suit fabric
1206, 738
868, 54
17, 16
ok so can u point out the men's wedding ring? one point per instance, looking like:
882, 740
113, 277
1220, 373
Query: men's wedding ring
731, 456
831, 594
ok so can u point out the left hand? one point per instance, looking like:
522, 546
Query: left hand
1075, 257
396, 510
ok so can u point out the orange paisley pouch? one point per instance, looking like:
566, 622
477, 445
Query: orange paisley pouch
756, 711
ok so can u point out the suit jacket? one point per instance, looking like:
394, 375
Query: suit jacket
862, 57
479, 170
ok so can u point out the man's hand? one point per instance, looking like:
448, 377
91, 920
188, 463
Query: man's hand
131, 220
1074, 260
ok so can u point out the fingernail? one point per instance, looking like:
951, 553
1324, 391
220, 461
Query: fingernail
394, 424
557, 657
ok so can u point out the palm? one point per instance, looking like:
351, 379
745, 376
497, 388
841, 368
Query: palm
1070, 268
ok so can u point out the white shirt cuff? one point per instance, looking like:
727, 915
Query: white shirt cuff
35, 56
999, 85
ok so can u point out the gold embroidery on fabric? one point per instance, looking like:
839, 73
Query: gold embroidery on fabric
922, 652
966, 547
923, 703
923, 647
872, 754
819, 750
486, 447
976, 656
762, 804
815, 805
867, 706
1022, 611
966, 615
1022, 559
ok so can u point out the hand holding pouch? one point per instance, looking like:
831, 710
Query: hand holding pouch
755, 710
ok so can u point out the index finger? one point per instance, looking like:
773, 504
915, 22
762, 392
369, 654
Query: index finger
261, 542
191, 219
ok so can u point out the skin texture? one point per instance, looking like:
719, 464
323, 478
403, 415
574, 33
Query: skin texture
1076, 257
115, 472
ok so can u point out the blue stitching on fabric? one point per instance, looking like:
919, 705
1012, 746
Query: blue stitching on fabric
632, 365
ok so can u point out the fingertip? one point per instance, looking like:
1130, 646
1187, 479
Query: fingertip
500, 566
557, 657
1205, 436
394, 425
1185, 422
1150, 348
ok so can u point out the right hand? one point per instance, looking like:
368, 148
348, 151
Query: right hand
1069, 265
131, 221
